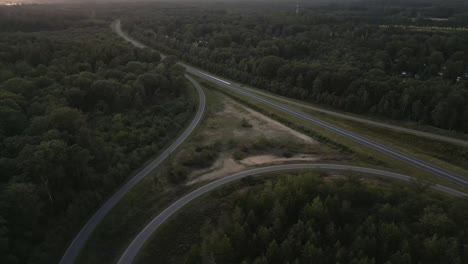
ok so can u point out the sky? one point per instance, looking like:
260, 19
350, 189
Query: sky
97, 1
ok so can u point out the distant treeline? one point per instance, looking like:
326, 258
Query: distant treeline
342, 59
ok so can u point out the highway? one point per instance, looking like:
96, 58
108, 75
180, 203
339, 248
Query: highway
135, 246
433, 169
80, 240
452, 140
116, 26
458, 179
139, 241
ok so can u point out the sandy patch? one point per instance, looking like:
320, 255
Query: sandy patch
266, 159
227, 125
262, 126
275, 125
221, 168
227, 166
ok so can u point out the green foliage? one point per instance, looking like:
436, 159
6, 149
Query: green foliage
201, 156
302, 219
79, 112
245, 123
177, 172
332, 56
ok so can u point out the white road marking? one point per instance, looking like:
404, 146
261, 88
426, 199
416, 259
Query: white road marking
215, 78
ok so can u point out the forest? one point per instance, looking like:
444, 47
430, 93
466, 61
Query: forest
306, 219
346, 59
80, 112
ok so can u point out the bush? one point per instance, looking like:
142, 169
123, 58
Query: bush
245, 123
177, 173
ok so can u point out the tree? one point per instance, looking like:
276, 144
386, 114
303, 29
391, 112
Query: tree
269, 65
12, 119
43, 163
67, 119
19, 86
151, 84
443, 115
5, 253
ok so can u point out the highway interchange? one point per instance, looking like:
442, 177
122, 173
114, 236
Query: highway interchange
133, 249
453, 177
458, 179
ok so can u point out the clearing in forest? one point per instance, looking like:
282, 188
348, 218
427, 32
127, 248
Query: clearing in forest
238, 138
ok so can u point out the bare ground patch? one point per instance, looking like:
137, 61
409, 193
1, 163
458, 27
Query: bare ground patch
249, 139
225, 166
262, 126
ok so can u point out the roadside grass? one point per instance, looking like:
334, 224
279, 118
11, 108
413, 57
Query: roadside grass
291, 102
361, 155
427, 28
235, 132
172, 241
443, 154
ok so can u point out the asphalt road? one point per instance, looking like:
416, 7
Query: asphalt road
139, 241
453, 177
433, 169
80, 240
135, 246
116, 26
452, 140
118, 29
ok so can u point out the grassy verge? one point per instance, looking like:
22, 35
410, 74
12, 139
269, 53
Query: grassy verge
403, 124
446, 155
361, 155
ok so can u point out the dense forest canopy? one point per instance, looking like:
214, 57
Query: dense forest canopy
80, 110
306, 219
348, 59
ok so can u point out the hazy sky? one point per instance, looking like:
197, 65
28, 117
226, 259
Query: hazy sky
97, 1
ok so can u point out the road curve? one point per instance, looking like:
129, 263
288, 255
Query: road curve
433, 169
80, 240
135, 246
116, 26
118, 29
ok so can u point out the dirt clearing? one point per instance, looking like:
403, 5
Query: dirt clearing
245, 139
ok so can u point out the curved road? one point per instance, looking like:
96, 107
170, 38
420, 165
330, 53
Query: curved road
116, 26
428, 167
79, 241
139, 241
